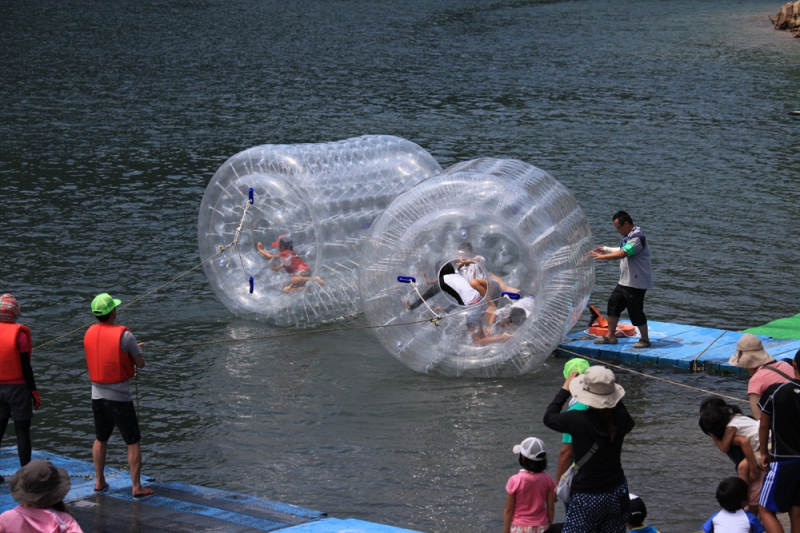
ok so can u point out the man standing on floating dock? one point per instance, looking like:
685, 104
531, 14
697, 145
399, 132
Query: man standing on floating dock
111, 354
635, 277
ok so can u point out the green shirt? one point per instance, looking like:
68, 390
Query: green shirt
577, 406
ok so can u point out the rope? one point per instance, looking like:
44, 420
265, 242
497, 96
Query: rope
654, 377
423, 300
693, 366
279, 335
222, 249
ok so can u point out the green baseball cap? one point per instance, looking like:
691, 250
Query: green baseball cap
575, 365
104, 304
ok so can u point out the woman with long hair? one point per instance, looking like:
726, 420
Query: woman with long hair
600, 499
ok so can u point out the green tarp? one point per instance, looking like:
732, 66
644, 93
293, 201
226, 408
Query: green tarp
783, 328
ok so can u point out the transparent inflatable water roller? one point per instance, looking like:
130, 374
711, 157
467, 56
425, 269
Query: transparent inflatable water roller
292, 219
451, 247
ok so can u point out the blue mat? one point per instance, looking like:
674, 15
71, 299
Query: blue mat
676, 345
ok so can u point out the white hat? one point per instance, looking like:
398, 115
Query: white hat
597, 388
532, 448
750, 353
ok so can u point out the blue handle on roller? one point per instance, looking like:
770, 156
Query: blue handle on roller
406, 279
511, 295
251, 278
250, 195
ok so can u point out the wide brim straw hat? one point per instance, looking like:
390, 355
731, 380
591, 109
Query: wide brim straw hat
40, 484
750, 353
597, 388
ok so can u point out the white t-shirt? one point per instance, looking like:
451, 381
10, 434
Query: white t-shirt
746, 427
463, 288
738, 522
474, 270
526, 304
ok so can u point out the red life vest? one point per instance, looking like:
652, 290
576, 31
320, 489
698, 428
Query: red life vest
10, 366
106, 360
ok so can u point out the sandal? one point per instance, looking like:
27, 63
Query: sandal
606, 340
147, 492
642, 344
101, 489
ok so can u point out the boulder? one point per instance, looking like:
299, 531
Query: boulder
788, 18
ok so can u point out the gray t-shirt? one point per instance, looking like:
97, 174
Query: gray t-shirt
636, 270
118, 392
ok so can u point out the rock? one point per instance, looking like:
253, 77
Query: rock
788, 18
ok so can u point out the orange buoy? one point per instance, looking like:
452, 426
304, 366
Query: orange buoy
598, 325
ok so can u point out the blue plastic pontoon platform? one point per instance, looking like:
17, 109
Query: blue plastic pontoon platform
176, 507
676, 345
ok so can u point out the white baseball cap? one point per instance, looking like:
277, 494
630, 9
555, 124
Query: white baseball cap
532, 448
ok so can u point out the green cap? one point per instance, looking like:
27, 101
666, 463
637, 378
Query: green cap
104, 304
575, 365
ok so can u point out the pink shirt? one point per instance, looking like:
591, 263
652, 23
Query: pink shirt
34, 520
530, 491
763, 378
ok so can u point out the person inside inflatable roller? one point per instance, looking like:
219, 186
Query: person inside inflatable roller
288, 260
470, 294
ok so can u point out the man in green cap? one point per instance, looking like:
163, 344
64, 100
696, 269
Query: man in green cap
111, 355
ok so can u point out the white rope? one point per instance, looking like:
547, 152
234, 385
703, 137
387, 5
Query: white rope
413, 284
236, 235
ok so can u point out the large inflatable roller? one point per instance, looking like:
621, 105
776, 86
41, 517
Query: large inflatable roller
290, 221
478, 271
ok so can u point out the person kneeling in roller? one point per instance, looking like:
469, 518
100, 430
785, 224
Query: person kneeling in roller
295, 267
468, 294
511, 315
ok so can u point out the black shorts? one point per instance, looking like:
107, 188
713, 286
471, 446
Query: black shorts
108, 414
15, 402
628, 298
781, 489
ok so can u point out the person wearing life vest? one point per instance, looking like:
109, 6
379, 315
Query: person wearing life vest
112, 356
635, 277
18, 394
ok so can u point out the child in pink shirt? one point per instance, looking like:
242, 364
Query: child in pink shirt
530, 503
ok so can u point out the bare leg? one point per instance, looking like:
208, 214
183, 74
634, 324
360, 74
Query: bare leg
135, 462
645, 335
319, 280
794, 518
743, 469
479, 285
612, 327
99, 460
770, 521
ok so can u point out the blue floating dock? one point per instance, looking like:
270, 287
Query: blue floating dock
676, 345
176, 507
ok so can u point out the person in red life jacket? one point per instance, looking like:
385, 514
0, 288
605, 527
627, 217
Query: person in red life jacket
112, 355
294, 266
18, 394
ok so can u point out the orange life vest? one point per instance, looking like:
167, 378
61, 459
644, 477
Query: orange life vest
598, 325
10, 366
106, 360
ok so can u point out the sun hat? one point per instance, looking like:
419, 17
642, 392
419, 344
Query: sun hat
750, 353
104, 304
576, 364
597, 388
40, 484
532, 448
9, 308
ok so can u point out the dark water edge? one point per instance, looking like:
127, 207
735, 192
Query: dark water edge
115, 116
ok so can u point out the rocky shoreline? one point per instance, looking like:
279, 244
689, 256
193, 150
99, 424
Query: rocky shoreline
788, 18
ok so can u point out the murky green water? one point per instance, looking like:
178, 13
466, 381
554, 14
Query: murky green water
115, 116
